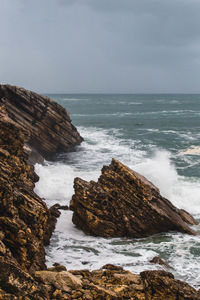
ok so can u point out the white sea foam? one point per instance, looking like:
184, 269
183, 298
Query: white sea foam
71, 247
193, 150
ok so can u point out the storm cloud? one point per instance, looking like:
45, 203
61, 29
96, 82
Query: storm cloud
132, 46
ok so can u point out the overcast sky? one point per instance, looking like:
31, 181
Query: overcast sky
115, 46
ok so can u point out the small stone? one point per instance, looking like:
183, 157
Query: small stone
158, 260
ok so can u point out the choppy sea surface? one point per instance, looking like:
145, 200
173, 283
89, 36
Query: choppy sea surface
156, 135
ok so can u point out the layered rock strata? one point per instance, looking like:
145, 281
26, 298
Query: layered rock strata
49, 125
124, 203
26, 223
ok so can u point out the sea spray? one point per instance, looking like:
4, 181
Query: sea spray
150, 146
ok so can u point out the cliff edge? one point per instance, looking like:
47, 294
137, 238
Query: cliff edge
48, 123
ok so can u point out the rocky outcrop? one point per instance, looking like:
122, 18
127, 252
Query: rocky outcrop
114, 283
49, 125
124, 203
26, 223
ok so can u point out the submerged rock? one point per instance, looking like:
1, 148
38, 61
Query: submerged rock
49, 125
124, 203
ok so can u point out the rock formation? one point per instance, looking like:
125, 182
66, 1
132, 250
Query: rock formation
124, 203
26, 223
49, 125
114, 283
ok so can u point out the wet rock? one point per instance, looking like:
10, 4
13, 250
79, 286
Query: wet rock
124, 203
48, 124
159, 261
112, 267
64, 207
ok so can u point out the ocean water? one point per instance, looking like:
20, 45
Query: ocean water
156, 135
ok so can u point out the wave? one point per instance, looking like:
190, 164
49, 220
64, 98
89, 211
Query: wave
71, 247
193, 150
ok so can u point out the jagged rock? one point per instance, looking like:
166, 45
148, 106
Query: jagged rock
49, 125
26, 223
124, 203
120, 284
162, 285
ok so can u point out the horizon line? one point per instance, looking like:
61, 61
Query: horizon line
120, 93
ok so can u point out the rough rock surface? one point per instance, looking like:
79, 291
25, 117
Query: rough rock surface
124, 203
49, 125
115, 283
25, 221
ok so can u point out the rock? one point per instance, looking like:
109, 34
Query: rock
48, 124
187, 217
14, 282
63, 280
25, 220
159, 261
57, 268
112, 267
119, 284
64, 207
162, 285
124, 203
33, 155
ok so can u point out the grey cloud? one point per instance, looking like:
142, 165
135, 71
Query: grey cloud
101, 45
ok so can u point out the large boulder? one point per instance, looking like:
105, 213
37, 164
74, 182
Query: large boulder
49, 125
124, 203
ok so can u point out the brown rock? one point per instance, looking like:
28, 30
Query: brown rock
120, 284
63, 280
159, 261
25, 220
162, 285
112, 267
124, 203
49, 125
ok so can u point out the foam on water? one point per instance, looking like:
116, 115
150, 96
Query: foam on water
71, 247
194, 150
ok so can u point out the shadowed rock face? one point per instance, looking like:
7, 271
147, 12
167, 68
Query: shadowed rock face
48, 123
124, 203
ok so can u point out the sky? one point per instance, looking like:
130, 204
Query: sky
101, 46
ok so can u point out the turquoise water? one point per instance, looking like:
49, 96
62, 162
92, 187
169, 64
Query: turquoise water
156, 135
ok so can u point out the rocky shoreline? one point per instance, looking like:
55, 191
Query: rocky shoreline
33, 127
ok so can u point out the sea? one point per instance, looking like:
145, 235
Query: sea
157, 135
